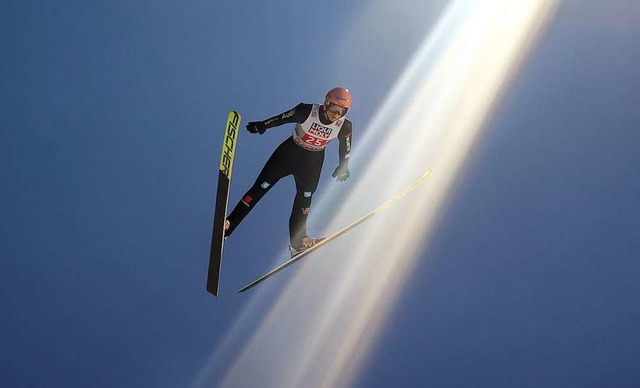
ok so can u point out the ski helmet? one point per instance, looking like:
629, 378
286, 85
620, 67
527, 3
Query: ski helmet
340, 97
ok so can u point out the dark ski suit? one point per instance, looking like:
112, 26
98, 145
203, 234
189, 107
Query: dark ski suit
302, 156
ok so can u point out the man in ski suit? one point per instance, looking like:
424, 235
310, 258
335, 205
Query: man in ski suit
300, 155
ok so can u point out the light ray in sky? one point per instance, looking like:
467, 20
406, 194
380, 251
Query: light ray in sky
320, 329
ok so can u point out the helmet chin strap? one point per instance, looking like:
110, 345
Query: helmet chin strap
324, 113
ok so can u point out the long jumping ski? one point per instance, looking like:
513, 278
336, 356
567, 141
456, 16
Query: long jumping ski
344, 230
222, 201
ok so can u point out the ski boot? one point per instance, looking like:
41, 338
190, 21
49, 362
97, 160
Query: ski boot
306, 243
227, 225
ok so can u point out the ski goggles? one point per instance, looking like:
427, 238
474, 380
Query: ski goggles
336, 109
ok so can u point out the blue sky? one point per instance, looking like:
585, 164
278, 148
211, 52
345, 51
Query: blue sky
110, 141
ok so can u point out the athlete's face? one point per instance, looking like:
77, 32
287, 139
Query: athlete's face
334, 112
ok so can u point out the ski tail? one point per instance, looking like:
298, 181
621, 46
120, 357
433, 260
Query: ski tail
342, 231
222, 201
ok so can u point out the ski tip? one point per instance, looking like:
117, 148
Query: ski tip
243, 289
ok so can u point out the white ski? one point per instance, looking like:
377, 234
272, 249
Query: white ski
344, 230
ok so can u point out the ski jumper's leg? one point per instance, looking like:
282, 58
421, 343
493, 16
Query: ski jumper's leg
307, 175
276, 167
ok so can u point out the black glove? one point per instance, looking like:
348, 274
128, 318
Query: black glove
341, 172
256, 127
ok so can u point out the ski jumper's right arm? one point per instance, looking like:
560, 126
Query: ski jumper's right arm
297, 114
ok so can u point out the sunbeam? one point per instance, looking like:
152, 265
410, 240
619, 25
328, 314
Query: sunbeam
321, 328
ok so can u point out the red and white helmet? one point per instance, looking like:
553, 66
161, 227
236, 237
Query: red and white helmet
340, 97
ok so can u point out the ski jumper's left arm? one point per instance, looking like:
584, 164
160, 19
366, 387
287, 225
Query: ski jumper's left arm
341, 172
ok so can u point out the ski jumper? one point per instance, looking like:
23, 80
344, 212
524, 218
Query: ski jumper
300, 155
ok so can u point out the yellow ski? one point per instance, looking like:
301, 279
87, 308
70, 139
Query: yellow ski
222, 201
